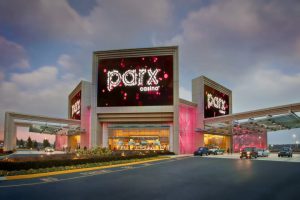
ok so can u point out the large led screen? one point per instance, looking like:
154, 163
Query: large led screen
135, 81
76, 106
215, 103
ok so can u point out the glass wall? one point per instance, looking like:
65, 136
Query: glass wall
138, 138
217, 141
258, 140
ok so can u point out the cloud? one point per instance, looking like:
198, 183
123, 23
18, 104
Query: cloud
265, 88
130, 23
43, 20
41, 77
229, 37
1, 76
109, 24
66, 61
42, 92
12, 55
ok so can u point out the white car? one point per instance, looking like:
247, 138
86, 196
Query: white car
263, 152
49, 149
215, 151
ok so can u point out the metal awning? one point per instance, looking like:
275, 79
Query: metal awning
270, 119
47, 125
272, 123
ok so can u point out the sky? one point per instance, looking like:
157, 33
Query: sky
251, 47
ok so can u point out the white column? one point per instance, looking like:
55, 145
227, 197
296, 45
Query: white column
10, 135
171, 136
104, 135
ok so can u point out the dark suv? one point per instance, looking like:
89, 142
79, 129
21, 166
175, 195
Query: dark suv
249, 152
201, 151
285, 151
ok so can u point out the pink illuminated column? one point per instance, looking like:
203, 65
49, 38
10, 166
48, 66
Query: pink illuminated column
187, 126
61, 142
85, 124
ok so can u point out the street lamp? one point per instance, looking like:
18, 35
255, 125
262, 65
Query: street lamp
294, 136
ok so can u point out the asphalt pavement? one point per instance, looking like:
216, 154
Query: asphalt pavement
179, 178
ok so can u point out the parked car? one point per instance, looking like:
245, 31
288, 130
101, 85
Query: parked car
49, 149
285, 151
249, 152
263, 152
201, 151
216, 151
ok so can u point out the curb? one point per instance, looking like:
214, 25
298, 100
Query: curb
30, 176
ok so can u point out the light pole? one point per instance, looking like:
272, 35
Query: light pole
294, 136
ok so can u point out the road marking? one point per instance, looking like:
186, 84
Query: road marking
95, 172
50, 179
128, 167
146, 164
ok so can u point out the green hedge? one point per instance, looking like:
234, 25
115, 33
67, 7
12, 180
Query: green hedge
15, 166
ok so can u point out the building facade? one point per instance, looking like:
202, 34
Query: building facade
132, 103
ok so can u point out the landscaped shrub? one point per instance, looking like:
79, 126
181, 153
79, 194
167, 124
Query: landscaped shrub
13, 166
97, 151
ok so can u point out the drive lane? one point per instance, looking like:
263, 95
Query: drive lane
189, 178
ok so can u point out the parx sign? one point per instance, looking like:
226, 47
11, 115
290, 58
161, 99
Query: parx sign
133, 78
135, 81
75, 106
216, 103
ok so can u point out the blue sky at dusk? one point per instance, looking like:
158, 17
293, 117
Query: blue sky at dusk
251, 47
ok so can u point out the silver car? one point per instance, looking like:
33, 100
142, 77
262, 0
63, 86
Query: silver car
49, 149
263, 152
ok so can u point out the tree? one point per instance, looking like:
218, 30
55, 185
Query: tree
35, 144
46, 143
29, 143
21, 143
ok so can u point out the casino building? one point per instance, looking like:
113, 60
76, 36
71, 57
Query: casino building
133, 103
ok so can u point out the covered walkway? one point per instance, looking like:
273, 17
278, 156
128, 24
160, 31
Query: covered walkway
38, 124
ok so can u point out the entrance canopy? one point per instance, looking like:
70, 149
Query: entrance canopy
269, 119
37, 124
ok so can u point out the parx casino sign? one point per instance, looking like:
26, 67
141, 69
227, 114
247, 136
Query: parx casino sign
135, 81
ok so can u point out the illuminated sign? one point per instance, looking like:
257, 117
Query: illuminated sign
132, 78
76, 106
135, 81
215, 103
